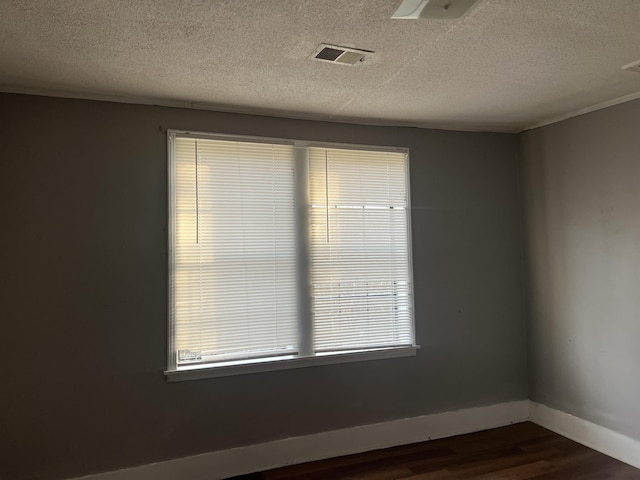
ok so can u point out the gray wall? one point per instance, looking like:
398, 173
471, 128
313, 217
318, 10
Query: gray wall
582, 201
84, 252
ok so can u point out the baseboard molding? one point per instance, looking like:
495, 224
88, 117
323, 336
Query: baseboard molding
335, 443
264, 456
594, 436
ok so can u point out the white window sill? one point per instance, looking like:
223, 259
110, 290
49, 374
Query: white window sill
196, 372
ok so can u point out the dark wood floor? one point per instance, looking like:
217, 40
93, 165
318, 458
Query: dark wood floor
515, 452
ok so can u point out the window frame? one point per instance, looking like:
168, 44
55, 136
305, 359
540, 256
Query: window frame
174, 373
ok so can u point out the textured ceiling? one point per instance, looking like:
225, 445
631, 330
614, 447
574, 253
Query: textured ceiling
507, 65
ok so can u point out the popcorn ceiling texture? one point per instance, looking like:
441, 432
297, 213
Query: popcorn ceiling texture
507, 65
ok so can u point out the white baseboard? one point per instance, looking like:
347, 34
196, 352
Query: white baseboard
594, 436
335, 443
264, 456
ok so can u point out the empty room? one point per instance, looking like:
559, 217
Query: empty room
320, 239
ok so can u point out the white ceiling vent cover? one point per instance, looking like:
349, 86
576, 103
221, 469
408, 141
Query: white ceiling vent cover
632, 67
340, 55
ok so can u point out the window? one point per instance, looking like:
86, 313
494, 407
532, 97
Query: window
285, 255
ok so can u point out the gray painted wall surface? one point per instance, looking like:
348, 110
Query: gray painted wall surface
84, 249
582, 204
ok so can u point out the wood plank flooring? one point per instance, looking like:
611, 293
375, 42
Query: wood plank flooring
515, 452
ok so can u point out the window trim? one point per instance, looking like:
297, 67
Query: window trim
200, 371
174, 373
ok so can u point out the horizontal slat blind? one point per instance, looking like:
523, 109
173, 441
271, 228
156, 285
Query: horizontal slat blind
360, 270
235, 265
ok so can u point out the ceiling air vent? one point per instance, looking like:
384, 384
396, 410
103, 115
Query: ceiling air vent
632, 67
340, 55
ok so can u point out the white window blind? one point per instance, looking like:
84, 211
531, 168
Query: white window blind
234, 273
284, 252
359, 243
